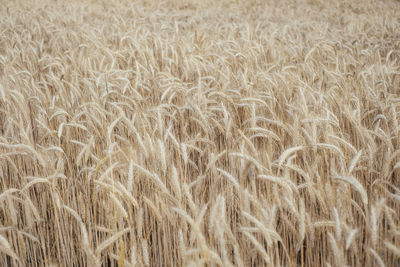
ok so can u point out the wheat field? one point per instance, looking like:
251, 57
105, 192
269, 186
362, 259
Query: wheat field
200, 133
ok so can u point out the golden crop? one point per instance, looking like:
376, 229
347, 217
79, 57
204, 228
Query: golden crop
200, 133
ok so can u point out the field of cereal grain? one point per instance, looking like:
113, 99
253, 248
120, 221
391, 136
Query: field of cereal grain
200, 133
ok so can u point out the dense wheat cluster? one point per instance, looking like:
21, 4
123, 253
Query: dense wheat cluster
200, 133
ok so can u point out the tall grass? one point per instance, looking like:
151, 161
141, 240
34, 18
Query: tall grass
220, 133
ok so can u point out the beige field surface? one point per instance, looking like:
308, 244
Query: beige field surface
200, 133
